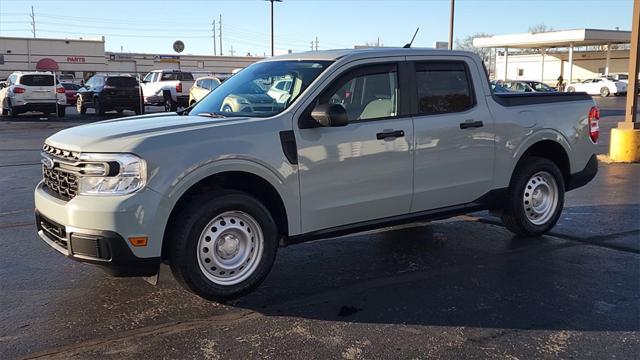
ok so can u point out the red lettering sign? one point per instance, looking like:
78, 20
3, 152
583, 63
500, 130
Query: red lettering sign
75, 59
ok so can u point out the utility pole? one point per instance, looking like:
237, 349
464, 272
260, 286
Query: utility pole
220, 33
316, 43
272, 42
311, 43
232, 51
213, 28
451, 25
33, 22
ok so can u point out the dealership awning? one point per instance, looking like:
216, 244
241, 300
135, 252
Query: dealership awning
47, 64
554, 39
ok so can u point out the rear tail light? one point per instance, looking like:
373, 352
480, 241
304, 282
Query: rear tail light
179, 87
60, 90
18, 90
594, 127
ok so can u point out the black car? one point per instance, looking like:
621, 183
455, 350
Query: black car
110, 92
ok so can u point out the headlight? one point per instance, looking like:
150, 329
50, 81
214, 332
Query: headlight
243, 101
112, 174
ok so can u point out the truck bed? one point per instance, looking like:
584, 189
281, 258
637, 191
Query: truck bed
516, 99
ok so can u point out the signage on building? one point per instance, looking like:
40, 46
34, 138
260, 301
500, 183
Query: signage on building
167, 58
75, 59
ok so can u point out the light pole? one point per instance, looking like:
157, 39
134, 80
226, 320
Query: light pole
272, 1
451, 24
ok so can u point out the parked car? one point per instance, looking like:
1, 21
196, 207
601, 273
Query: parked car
527, 86
498, 87
280, 91
169, 88
110, 92
214, 193
603, 86
202, 87
71, 92
32, 91
620, 77
66, 78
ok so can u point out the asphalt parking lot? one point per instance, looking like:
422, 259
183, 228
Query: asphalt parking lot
460, 288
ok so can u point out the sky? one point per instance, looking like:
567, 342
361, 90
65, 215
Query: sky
153, 25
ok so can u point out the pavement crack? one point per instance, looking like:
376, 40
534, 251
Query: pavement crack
147, 332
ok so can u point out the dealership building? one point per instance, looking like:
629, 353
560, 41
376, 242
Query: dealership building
573, 54
83, 58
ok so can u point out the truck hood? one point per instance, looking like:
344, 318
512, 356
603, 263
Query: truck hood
122, 134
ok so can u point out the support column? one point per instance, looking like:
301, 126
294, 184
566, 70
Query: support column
625, 139
608, 62
506, 63
570, 79
542, 52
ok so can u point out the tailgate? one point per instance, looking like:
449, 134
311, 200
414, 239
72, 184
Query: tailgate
39, 87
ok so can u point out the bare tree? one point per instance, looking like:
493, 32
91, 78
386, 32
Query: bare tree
466, 44
540, 28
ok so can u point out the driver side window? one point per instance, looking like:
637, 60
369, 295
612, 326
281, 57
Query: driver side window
366, 93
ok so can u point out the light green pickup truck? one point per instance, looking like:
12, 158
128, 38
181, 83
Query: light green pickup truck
365, 139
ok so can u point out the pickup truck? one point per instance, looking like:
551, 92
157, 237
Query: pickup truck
169, 88
368, 138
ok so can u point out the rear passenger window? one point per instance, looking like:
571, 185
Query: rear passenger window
443, 87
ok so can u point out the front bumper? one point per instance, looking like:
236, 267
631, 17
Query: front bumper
95, 229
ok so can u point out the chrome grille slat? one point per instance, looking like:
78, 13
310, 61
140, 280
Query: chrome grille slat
62, 184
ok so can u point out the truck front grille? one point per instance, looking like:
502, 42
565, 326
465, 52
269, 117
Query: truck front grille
60, 184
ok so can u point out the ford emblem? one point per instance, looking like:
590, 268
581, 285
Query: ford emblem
47, 162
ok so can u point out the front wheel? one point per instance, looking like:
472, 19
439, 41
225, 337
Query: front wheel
80, 105
223, 244
535, 198
604, 91
571, 89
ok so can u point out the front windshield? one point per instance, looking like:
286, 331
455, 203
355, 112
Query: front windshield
261, 90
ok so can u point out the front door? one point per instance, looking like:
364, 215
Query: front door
362, 171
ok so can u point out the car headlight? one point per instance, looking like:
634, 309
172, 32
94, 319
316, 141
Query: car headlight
111, 174
243, 101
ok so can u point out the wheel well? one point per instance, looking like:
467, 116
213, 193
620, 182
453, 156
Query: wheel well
236, 180
553, 151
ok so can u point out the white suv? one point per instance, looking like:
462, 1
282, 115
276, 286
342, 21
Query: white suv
32, 91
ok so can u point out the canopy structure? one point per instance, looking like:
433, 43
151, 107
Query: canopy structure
557, 39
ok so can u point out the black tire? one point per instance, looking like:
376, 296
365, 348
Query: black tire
97, 106
185, 232
139, 110
5, 112
514, 215
80, 105
13, 112
62, 111
604, 91
169, 104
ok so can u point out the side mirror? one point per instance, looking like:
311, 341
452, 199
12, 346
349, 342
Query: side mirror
329, 115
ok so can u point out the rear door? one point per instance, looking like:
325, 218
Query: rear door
39, 87
362, 171
454, 137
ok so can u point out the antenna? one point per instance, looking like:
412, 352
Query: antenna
407, 46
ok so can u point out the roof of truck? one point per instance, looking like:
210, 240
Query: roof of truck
365, 53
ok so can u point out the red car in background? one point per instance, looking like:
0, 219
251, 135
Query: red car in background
71, 91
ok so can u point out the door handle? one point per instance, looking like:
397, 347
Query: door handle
389, 134
471, 124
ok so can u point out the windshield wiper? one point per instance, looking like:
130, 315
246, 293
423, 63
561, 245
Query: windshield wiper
211, 115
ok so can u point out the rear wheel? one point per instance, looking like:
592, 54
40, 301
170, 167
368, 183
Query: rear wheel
223, 244
80, 106
604, 91
571, 89
169, 104
97, 105
62, 111
535, 198
13, 112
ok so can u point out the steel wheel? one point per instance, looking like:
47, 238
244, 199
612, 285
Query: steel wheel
230, 248
540, 198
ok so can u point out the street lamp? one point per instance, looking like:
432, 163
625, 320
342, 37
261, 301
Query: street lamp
272, 1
